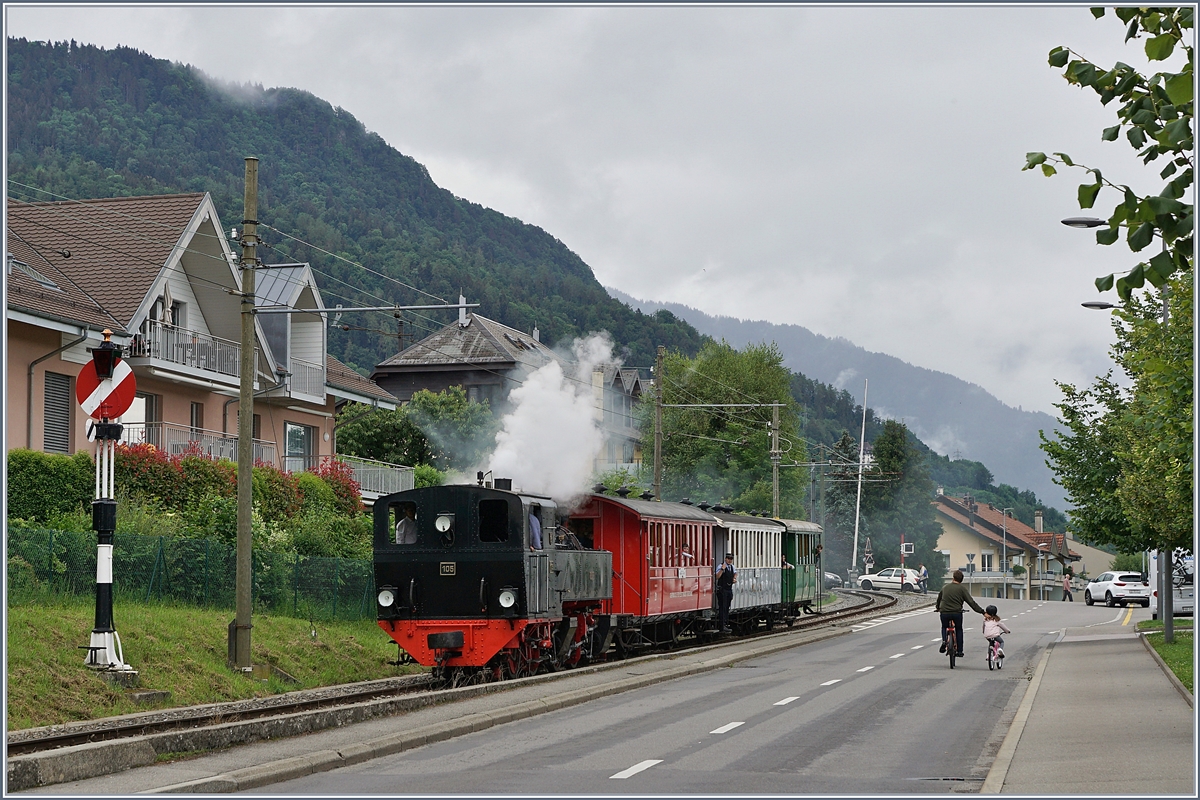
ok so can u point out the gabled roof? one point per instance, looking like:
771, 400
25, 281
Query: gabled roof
36, 286
989, 523
118, 246
284, 285
480, 342
630, 379
354, 386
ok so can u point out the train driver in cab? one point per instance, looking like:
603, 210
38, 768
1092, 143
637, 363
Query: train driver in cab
535, 529
406, 528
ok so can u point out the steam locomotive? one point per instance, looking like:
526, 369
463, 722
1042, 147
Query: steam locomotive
463, 587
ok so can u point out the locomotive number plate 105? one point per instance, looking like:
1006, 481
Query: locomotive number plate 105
446, 567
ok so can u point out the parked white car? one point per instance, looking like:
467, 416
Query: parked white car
904, 580
1118, 588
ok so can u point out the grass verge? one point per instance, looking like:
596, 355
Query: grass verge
1178, 654
178, 649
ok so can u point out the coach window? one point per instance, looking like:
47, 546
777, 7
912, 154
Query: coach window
493, 520
405, 517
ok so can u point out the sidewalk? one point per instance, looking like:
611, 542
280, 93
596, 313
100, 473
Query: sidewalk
1093, 695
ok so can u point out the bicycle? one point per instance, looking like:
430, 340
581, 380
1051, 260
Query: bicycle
995, 655
951, 642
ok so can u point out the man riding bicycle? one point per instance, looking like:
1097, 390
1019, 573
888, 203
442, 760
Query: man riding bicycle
949, 604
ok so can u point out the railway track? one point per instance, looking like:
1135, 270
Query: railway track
38, 740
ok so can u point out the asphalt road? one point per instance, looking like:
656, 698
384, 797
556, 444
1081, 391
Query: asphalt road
878, 711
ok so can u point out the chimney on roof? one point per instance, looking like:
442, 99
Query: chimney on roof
462, 311
1037, 521
537, 335
941, 491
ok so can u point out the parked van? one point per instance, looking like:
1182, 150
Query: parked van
1183, 600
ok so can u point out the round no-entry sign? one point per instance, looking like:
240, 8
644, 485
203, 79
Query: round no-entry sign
108, 398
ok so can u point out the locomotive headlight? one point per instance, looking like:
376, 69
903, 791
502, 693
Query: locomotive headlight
444, 523
508, 598
386, 598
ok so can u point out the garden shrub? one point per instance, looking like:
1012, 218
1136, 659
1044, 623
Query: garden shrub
315, 493
427, 475
340, 478
276, 493
331, 534
204, 477
42, 486
143, 470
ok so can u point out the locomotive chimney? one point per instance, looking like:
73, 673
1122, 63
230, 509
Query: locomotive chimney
504, 484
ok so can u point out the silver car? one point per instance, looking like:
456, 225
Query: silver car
904, 580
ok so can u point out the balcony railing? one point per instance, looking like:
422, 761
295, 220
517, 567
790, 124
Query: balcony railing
378, 477
186, 348
177, 439
307, 378
375, 478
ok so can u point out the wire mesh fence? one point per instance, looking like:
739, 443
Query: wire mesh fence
201, 572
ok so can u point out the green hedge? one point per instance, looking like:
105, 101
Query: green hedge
44, 486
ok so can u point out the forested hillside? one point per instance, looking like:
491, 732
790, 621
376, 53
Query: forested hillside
84, 122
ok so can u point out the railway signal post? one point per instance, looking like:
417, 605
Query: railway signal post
105, 389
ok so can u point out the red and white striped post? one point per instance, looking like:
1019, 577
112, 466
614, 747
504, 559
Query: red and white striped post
105, 389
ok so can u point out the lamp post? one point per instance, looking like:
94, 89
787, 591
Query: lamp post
1165, 589
1004, 550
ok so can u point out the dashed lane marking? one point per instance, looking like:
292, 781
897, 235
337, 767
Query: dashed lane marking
862, 626
865, 669
636, 768
916, 647
787, 700
898, 655
832, 682
726, 728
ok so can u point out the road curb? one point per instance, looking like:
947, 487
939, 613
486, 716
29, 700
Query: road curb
1008, 748
322, 761
1178, 684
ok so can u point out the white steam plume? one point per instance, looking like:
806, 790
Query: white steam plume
550, 439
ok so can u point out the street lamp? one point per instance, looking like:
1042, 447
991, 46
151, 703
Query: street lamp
1097, 305
1083, 222
1004, 550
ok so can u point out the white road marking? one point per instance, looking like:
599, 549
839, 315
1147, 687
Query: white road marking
935, 640
636, 768
898, 655
916, 647
832, 682
727, 728
862, 626
787, 700
865, 669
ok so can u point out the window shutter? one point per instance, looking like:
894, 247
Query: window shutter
56, 427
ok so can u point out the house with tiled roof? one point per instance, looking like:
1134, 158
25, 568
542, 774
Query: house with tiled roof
160, 274
977, 537
488, 359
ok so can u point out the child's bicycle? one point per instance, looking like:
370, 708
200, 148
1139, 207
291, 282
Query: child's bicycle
995, 655
951, 642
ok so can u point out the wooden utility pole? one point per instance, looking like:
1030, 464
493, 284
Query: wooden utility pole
658, 391
245, 472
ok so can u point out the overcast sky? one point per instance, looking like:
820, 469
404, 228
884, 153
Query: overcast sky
854, 170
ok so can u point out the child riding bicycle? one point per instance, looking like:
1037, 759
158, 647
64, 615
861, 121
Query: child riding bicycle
993, 627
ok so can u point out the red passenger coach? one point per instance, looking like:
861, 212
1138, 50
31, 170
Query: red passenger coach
662, 561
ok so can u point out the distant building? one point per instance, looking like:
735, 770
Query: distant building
488, 360
617, 391
977, 535
482, 356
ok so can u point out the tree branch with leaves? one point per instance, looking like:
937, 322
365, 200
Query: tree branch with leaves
1156, 115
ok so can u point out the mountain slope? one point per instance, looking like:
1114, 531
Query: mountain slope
952, 416
85, 122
